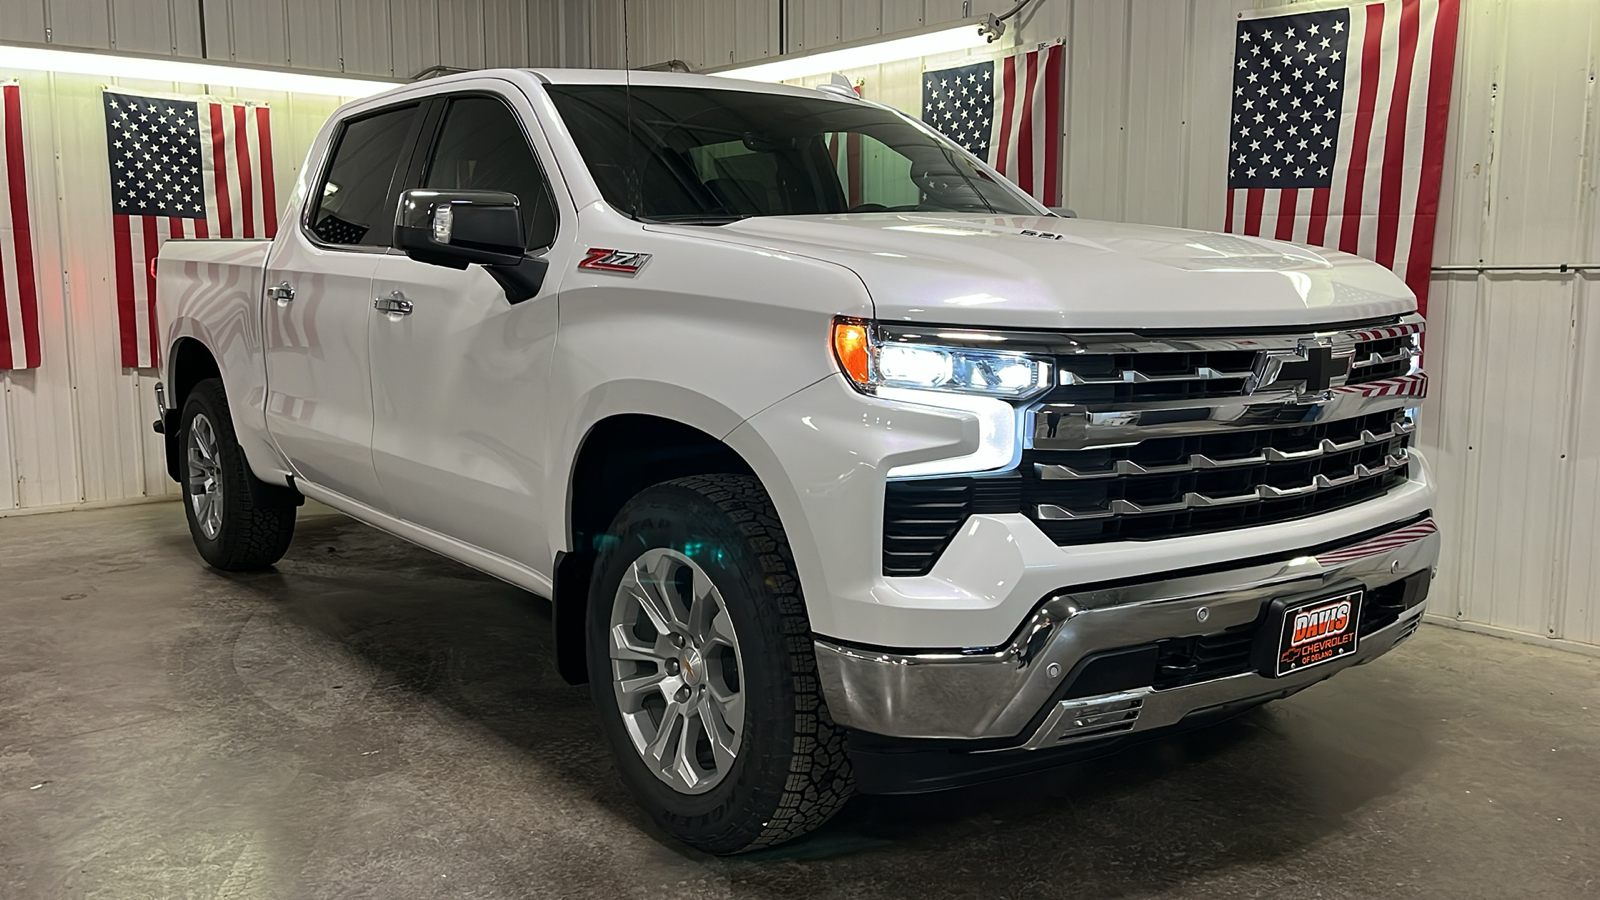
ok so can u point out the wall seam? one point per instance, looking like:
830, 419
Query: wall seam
1566, 473
1127, 109
1187, 113
74, 408
1473, 470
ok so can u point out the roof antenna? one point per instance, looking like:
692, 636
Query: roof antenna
634, 191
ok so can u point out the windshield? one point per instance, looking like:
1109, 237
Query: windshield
711, 156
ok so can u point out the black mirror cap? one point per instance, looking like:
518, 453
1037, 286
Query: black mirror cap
459, 228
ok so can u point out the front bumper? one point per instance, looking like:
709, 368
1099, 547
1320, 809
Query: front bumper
1045, 689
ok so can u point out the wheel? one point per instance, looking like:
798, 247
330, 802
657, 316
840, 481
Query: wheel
238, 522
701, 663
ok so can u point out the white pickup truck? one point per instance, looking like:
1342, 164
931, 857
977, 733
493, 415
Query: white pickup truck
844, 471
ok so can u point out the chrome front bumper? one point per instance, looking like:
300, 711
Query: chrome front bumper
1000, 692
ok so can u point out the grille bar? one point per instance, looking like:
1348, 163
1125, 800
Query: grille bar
1194, 500
1134, 376
1073, 426
1059, 472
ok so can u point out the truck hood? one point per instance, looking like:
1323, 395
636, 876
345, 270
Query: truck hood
1052, 273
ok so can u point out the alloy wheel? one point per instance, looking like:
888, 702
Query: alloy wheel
205, 476
676, 671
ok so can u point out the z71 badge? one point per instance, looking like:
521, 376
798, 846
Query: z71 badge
620, 262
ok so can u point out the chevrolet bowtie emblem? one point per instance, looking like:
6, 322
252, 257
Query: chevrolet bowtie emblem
1312, 368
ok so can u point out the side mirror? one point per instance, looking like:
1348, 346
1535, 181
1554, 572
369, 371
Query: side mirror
1063, 212
457, 229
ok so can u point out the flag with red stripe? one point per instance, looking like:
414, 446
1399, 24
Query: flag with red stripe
1007, 112
19, 294
180, 168
844, 148
1337, 138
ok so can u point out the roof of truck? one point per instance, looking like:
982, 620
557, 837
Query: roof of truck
638, 79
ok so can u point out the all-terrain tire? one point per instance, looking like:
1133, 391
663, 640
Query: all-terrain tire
257, 519
790, 774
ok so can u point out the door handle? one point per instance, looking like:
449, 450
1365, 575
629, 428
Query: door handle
282, 293
395, 304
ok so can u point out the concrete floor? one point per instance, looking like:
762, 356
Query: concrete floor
371, 720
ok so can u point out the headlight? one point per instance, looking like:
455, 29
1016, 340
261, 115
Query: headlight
880, 356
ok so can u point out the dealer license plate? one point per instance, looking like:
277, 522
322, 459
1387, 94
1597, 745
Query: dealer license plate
1318, 631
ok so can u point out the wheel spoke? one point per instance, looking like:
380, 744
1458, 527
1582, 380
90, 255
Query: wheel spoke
730, 705
722, 736
640, 686
684, 762
705, 606
624, 648
656, 750
721, 630
650, 598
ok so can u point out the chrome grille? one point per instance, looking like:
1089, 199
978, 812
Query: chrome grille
1142, 368
1152, 436
1149, 436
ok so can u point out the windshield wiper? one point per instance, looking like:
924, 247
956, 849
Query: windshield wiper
701, 219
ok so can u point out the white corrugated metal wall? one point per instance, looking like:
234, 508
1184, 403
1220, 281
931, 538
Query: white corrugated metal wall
1513, 425
77, 430
367, 37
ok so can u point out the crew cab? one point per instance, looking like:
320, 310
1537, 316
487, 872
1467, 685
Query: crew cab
845, 464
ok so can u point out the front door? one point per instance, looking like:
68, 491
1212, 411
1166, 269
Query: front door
319, 277
460, 381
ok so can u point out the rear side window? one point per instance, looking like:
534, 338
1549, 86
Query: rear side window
352, 207
481, 147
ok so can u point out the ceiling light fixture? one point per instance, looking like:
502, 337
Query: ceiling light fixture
113, 65
965, 36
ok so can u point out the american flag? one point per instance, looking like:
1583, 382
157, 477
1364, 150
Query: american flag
1007, 112
844, 148
19, 300
1338, 129
180, 168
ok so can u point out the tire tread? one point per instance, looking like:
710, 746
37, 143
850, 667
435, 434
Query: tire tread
258, 518
819, 782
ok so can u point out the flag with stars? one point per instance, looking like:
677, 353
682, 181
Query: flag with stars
1006, 112
1338, 128
180, 168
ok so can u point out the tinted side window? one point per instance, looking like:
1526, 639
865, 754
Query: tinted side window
481, 147
353, 207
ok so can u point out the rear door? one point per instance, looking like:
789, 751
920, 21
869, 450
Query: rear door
319, 278
460, 382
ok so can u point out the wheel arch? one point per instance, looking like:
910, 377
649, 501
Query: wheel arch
189, 362
619, 456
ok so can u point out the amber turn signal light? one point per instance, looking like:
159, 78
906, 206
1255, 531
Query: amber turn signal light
851, 348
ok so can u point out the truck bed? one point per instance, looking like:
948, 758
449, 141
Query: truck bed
195, 278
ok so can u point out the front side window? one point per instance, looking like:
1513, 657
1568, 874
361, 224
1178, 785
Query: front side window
710, 156
482, 148
353, 205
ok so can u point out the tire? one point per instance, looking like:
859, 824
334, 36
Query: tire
239, 523
789, 773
